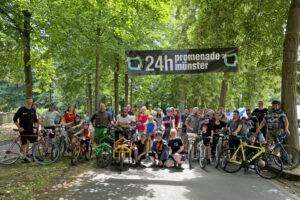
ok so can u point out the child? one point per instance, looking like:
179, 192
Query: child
86, 134
150, 129
159, 150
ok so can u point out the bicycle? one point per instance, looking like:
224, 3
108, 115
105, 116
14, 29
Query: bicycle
203, 155
45, 152
61, 139
192, 137
289, 155
80, 151
222, 143
104, 149
267, 165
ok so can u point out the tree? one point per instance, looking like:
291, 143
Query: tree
289, 70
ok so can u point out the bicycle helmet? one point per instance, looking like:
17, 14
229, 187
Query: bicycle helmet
77, 116
86, 123
158, 133
206, 116
169, 109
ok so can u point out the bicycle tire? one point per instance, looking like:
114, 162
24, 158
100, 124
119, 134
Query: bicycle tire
121, 160
218, 150
90, 153
271, 166
190, 159
289, 155
202, 156
62, 148
75, 156
104, 157
224, 161
48, 153
15, 155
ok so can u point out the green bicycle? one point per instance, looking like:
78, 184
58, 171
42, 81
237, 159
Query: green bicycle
104, 149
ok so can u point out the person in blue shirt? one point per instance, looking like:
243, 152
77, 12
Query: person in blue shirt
159, 151
111, 111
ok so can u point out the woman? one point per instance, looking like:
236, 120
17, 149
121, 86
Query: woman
177, 118
159, 118
69, 116
177, 147
140, 149
218, 126
143, 117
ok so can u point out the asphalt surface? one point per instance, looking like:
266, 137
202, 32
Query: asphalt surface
157, 183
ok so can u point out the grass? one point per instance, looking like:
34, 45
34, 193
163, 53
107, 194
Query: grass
24, 181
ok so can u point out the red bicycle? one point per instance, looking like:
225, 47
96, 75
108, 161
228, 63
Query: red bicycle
80, 151
44, 152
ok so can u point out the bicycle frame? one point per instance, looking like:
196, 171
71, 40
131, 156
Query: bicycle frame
241, 147
120, 147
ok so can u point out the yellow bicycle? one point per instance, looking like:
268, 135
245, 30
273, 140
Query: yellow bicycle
267, 165
122, 151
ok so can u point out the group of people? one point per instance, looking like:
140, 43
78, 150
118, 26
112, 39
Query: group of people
158, 131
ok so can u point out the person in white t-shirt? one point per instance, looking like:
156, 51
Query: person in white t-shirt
123, 124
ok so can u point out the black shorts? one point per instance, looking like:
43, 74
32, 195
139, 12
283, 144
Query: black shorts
32, 139
53, 129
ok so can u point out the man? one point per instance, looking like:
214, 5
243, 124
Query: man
27, 124
158, 150
48, 119
235, 129
123, 123
129, 110
110, 110
260, 112
168, 122
253, 125
276, 121
100, 121
193, 120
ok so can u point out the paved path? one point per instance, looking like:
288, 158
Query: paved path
154, 183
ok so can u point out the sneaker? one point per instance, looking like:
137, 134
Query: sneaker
26, 160
179, 166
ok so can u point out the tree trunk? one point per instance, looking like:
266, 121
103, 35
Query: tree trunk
131, 85
289, 71
224, 88
116, 76
126, 90
90, 106
26, 57
195, 102
97, 70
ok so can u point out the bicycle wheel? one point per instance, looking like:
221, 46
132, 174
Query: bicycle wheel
218, 150
203, 156
268, 166
62, 148
229, 164
46, 153
121, 160
104, 157
89, 157
75, 156
190, 158
289, 155
9, 152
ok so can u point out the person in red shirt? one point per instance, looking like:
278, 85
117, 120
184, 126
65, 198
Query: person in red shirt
69, 116
177, 118
143, 117
85, 133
